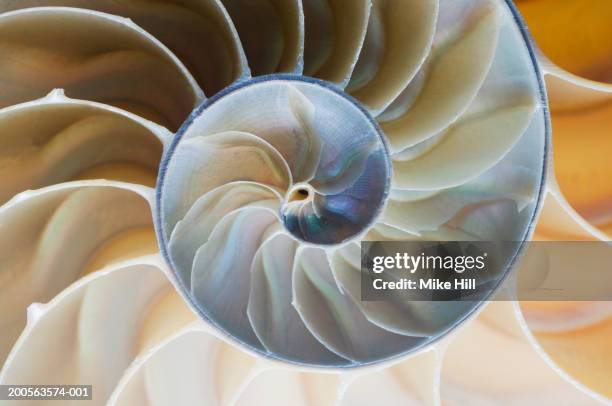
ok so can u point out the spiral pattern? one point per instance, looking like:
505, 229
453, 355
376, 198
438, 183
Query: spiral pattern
458, 110
271, 184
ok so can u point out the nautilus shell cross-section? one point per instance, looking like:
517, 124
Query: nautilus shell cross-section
395, 121
189, 182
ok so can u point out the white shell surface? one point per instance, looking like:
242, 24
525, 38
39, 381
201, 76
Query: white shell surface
43, 268
57, 139
103, 66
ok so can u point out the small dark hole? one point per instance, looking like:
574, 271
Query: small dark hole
299, 194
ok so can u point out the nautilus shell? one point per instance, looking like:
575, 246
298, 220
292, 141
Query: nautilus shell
185, 184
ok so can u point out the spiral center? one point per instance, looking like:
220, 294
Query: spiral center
300, 193
341, 174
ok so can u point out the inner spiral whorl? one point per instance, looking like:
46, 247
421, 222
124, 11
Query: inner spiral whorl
346, 189
337, 164
327, 216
